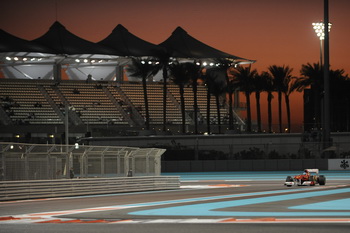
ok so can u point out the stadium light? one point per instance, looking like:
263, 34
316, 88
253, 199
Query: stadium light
319, 30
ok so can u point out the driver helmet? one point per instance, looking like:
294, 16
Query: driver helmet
306, 172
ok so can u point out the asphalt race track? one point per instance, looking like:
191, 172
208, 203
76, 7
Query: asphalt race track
207, 202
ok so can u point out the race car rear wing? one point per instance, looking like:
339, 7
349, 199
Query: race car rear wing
313, 170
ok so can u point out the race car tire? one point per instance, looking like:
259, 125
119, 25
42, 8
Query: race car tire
322, 180
289, 179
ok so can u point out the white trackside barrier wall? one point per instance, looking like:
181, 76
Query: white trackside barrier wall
28, 189
21, 161
339, 164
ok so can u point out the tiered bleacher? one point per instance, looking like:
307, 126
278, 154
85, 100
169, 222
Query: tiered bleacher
201, 103
134, 92
105, 103
90, 103
24, 103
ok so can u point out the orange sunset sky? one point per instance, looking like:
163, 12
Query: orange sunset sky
273, 32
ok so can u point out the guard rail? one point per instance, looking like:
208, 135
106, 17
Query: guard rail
17, 190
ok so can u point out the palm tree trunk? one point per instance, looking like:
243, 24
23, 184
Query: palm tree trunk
208, 109
317, 106
230, 111
258, 111
269, 110
144, 84
183, 116
165, 92
280, 110
218, 112
286, 97
195, 105
249, 114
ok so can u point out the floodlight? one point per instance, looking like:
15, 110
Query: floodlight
319, 29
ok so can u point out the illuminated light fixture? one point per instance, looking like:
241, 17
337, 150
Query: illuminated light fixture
24, 58
11, 147
149, 62
143, 62
76, 145
77, 60
319, 29
211, 64
51, 136
205, 64
17, 136
93, 61
86, 60
100, 61
198, 63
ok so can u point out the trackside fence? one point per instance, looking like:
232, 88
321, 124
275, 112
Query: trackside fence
20, 161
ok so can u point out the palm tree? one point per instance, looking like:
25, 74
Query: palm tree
260, 84
312, 76
193, 73
180, 77
231, 88
142, 69
224, 66
217, 86
163, 65
281, 78
208, 82
269, 88
290, 82
243, 76
340, 96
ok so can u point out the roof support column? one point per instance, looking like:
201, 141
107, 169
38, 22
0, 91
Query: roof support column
57, 72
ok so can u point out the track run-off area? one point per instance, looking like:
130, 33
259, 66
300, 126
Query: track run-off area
206, 202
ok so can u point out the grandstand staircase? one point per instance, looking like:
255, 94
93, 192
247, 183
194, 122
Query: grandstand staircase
118, 106
73, 117
238, 119
135, 118
178, 106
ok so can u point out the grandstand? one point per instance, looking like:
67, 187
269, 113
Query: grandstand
38, 107
60, 79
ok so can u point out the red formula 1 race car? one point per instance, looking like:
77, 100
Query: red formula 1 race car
310, 177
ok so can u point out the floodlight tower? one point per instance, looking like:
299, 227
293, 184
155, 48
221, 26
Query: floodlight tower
320, 32
323, 33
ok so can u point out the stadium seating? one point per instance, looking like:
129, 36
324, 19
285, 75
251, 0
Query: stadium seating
42, 102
